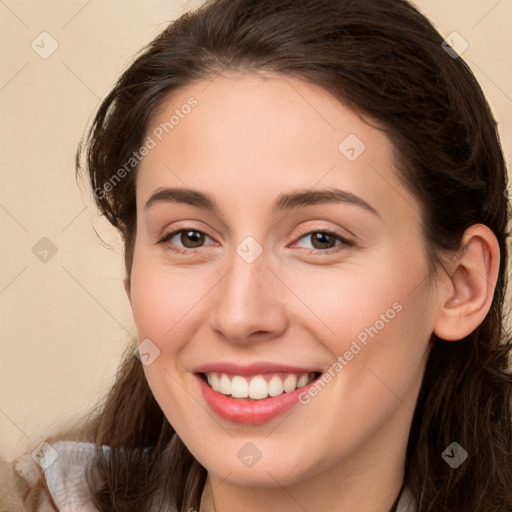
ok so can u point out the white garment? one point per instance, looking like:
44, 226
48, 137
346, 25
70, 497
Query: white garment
64, 464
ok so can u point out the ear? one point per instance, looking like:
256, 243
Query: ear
465, 297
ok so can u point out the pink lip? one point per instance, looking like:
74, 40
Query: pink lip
252, 369
249, 411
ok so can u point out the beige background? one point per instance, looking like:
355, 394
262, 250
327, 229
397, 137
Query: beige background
64, 323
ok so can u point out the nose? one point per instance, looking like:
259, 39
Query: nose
249, 302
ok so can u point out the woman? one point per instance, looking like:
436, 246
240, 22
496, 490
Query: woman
366, 370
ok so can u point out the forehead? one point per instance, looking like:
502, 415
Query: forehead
258, 115
258, 135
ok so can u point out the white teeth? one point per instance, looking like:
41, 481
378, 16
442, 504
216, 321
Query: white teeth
290, 383
303, 380
224, 385
257, 387
275, 386
239, 387
213, 380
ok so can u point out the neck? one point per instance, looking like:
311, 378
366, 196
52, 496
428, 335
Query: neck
293, 500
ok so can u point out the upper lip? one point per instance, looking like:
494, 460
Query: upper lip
252, 369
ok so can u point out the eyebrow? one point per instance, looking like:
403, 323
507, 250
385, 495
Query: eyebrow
285, 201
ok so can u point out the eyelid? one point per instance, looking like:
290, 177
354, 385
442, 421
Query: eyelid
171, 234
186, 226
301, 234
345, 244
310, 230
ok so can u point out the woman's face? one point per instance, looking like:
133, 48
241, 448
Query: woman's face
272, 281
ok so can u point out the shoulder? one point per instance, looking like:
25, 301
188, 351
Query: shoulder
52, 478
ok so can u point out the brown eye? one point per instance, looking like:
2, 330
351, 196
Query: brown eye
324, 241
184, 240
195, 238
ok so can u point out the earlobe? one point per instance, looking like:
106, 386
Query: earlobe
465, 299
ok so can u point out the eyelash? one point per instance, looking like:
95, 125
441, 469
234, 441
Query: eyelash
345, 242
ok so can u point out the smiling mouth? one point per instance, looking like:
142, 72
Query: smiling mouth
257, 387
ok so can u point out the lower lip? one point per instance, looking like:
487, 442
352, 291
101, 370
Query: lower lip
251, 412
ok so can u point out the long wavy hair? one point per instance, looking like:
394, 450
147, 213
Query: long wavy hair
386, 61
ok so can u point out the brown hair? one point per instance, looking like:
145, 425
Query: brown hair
386, 61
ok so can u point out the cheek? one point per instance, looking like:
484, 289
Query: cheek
367, 305
162, 301
378, 344
161, 297
376, 326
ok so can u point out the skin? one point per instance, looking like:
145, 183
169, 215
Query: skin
251, 138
